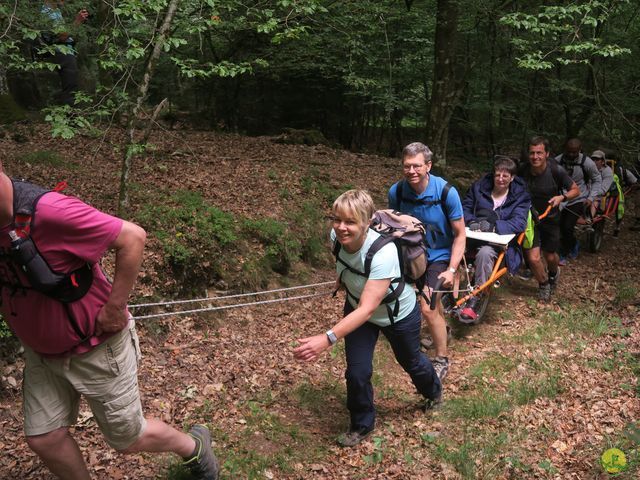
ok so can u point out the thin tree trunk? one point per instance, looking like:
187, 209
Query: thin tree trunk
4, 86
130, 149
447, 85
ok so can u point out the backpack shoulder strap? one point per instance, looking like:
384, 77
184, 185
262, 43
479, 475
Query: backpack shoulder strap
557, 176
394, 296
584, 170
443, 200
445, 192
428, 203
336, 253
25, 198
375, 247
399, 190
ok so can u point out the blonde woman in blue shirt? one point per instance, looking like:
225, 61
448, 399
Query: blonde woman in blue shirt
365, 316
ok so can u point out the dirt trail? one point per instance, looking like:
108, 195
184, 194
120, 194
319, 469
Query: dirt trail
276, 418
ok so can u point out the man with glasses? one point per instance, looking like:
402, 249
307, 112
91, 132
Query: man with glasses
437, 204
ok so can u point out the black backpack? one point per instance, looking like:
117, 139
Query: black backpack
562, 163
442, 201
557, 179
63, 287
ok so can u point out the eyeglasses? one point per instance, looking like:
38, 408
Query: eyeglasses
502, 175
416, 166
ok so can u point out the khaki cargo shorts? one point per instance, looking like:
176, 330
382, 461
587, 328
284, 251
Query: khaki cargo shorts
105, 376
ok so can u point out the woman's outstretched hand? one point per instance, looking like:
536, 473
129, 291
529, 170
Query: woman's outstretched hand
310, 348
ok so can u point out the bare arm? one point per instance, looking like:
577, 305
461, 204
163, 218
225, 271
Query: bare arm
129, 245
572, 193
81, 17
372, 295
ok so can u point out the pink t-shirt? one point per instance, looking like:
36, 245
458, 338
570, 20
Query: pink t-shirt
67, 233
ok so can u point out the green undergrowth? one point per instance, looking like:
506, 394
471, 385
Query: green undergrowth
318, 185
202, 244
10, 111
483, 441
49, 158
475, 456
263, 443
192, 234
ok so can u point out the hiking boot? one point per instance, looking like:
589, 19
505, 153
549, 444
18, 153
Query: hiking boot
432, 403
525, 274
202, 463
351, 438
468, 314
441, 366
544, 293
426, 342
553, 280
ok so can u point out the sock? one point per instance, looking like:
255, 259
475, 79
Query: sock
195, 451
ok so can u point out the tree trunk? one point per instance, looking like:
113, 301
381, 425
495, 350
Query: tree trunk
132, 148
4, 85
447, 85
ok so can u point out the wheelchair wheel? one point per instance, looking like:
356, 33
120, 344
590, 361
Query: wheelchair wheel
595, 237
480, 309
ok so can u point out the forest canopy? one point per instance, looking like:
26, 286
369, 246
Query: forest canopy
472, 78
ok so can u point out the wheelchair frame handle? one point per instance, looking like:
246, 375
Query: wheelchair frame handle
436, 291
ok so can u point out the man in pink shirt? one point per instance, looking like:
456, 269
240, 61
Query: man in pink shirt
83, 346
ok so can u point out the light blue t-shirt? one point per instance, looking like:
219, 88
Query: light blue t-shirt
384, 264
439, 236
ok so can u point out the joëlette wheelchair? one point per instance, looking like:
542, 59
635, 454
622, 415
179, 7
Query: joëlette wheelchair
607, 209
454, 300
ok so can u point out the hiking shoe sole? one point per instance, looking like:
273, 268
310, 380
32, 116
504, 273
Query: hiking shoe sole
441, 366
553, 281
203, 464
431, 404
352, 438
544, 293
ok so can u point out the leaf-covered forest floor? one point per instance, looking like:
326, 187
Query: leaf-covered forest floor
534, 392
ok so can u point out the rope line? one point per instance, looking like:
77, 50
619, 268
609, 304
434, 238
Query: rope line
469, 289
212, 299
211, 309
240, 305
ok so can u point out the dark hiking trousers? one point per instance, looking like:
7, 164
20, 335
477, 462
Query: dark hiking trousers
68, 73
404, 338
568, 218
